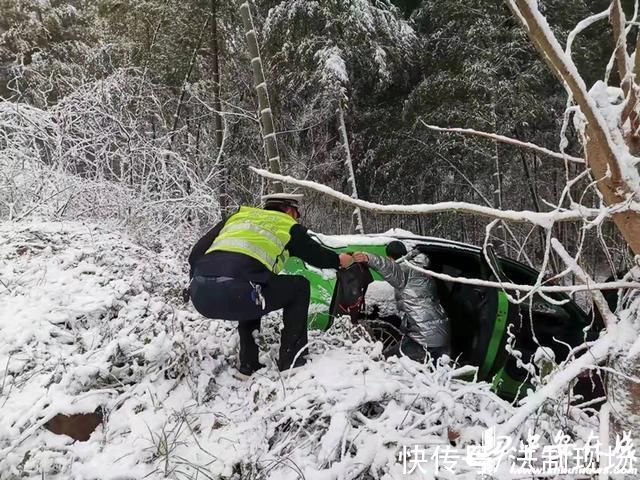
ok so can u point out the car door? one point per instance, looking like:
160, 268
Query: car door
498, 365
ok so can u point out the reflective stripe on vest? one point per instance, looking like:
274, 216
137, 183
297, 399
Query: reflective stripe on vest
257, 233
233, 244
254, 228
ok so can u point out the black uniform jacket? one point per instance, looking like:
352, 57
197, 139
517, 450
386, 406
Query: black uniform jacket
243, 267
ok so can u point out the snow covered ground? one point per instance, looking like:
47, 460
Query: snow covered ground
90, 320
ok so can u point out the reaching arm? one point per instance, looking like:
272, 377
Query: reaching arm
304, 247
391, 271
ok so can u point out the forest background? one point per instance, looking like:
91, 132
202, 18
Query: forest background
151, 106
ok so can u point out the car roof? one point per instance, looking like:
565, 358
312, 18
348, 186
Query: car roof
404, 235
337, 241
474, 249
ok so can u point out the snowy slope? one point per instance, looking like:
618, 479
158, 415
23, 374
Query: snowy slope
88, 320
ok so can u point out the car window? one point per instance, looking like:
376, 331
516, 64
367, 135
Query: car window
458, 263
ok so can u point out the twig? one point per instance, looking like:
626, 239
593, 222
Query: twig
507, 140
609, 318
5, 286
6, 371
526, 288
562, 377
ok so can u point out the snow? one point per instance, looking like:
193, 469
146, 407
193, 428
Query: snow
332, 65
381, 60
382, 294
90, 319
623, 361
558, 381
324, 273
339, 241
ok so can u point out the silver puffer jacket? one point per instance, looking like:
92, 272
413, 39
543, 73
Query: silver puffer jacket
423, 317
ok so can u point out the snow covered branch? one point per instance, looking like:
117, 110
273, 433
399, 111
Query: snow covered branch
506, 140
87, 155
527, 288
582, 25
618, 23
542, 219
610, 319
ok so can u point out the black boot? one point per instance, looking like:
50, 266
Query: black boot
287, 364
248, 348
293, 338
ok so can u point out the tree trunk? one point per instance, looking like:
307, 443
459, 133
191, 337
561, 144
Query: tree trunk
264, 105
618, 23
183, 88
501, 234
497, 201
613, 188
217, 105
623, 397
357, 214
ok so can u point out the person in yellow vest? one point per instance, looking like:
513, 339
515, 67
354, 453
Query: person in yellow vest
234, 275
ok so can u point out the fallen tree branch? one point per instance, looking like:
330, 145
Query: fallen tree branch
559, 380
507, 140
542, 219
526, 288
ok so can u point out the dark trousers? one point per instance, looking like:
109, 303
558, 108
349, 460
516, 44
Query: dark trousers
412, 349
231, 299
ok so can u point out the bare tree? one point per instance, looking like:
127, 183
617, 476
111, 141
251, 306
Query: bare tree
217, 104
609, 144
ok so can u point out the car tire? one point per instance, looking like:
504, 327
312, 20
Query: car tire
383, 331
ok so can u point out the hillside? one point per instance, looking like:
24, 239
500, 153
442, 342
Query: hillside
92, 321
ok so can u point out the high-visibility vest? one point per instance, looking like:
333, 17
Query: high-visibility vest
260, 234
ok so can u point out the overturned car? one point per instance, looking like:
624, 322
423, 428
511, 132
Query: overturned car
490, 332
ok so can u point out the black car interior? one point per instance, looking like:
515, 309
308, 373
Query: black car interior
472, 309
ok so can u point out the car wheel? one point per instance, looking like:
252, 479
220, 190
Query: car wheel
383, 332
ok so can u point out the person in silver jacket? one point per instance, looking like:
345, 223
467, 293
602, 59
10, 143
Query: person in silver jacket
424, 322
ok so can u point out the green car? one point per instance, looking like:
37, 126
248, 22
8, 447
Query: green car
480, 316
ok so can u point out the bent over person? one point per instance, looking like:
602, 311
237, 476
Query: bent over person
424, 322
234, 275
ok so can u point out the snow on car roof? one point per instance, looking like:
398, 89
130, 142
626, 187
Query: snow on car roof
338, 241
